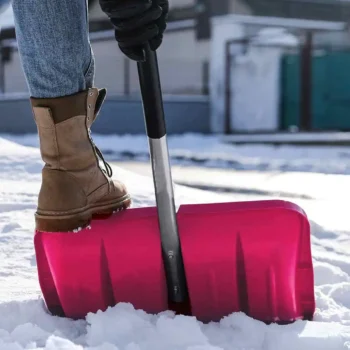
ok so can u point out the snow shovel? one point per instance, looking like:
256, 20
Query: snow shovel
206, 260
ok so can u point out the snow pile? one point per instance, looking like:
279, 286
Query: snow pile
24, 324
275, 36
27, 326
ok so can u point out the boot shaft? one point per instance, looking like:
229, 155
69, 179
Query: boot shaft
64, 129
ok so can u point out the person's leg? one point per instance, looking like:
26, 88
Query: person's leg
57, 61
54, 46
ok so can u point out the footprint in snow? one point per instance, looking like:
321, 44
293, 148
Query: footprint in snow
12, 226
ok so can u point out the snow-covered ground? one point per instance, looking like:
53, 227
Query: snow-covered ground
259, 172
208, 151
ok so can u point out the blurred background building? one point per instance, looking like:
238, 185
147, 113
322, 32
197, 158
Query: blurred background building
227, 66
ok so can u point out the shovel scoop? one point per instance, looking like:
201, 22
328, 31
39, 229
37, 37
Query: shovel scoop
205, 260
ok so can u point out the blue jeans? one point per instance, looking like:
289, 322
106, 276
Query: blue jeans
54, 46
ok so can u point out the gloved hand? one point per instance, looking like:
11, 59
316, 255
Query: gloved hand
137, 22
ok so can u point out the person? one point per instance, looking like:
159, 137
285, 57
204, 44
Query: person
58, 63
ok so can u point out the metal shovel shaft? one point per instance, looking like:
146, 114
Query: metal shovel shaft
156, 132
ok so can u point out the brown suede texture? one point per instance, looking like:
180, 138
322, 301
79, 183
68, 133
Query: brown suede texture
57, 189
63, 108
72, 178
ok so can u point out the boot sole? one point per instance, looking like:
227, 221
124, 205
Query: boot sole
79, 219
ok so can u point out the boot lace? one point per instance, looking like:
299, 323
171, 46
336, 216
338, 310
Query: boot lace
108, 169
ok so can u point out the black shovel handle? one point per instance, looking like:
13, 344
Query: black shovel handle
151, 95
155, 126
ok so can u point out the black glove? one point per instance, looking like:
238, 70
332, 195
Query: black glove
137, 22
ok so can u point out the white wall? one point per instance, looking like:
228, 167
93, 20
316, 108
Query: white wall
14, 77
182, 3
180, 60
239, 7
221, 32
95, 12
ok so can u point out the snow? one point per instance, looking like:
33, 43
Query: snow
322, 192
275, 36
221, 32
209, 151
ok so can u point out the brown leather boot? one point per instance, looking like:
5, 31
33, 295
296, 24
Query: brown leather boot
74, 186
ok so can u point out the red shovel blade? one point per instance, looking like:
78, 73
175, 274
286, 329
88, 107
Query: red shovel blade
253, 257
118, 260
